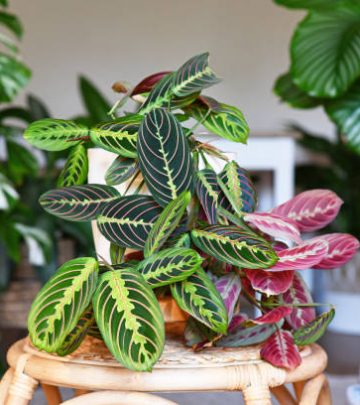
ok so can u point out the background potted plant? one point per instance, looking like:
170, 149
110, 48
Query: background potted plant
194, 236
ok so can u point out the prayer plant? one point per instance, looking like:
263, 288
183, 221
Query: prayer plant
195, 234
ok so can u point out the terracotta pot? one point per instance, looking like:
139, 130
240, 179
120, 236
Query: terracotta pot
175, 318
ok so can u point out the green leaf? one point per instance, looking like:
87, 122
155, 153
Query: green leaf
128, 221
345, 112
193, 76
198, 296
164, 156
96, 104
289, 93
166, 223
225, 120
74, 339
208, 192
129, 318
119, 136
120, 170
37, 108
8, 194
78, 203
234, 245
116, 254
11, 22
169, 266
309, 4
313, 331
8, 43
4, 3
75, 170
21, 162
160, 95
14, 75
325, 51
60, 303
54, 135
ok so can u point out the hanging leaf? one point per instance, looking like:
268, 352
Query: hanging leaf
344, 112
166, 223
301, 257
289, 93
164, 156
120, 170
148, 83
94, 102
12, 23
54, 135
273, 316
75, 170
74, 339
342, 248
270, 283
240, 190
198, 296
128, 220
280, 350
313, 331
225, 120
169, 266
78, 203
299, 294
60, 303
229, 287
119, 136
234, 245
129, 318
325, 50
311, 210
208, 192
14, 76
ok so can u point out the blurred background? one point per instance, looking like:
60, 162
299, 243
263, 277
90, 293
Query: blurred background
77, 49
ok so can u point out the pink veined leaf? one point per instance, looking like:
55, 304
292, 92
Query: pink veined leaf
281, 351
298, 293
301, 257
236, 321
270, 283
229, 287
148, 83
273, 316
342, 248
275, 226
247, 287
311, 210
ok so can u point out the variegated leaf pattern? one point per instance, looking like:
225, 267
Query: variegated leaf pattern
225, 120
164, 156
281, 351
313, 331
234, 245
78, 203
94, 331
120, 170
198, 296
55, 134
74, 339
270, 283
60, 303
119, 136
273, 316
128, 221
116, 254
240, 190
229, 287
208, 192
169, 266
193, 76
75, 170
129, 318
160, 95
166, 223
148, 83
297, 294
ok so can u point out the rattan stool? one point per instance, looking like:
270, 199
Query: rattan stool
92, 368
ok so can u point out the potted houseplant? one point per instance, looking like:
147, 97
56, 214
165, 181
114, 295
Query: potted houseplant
194, 236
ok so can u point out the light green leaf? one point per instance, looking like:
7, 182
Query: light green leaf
75, 170
60, 303
129, 318
120, 170
8, 194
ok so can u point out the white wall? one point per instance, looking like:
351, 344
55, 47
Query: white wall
113, 40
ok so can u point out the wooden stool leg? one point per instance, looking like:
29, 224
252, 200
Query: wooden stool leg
79, 392
5, 384
52, 394
283, 395
325, 394
312, 390
257, 395
298, 388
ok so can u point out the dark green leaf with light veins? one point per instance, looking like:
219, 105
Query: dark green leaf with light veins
120, 170
160, 95
75, 170
208, 192
116, 254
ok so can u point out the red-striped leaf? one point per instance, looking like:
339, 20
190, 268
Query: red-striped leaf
342, 247
148, 83
274, 225
311, 210
236, 321
281, 351
229, 288
297, 294
301, 257
273, 316
270, 283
